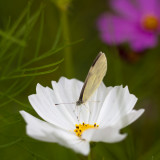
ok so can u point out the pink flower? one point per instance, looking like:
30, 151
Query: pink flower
135, 22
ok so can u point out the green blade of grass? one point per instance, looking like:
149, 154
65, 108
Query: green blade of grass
58, 35
8, 56
22, 87
16, 24
5, 35
32, 153
43, 67
9, 89
49, 53
19, 90
9, 124
8, 69
26, 34
40, 67
17, 101
8, 24
31, 22
40, 35
6, 44
10, 144
29, 75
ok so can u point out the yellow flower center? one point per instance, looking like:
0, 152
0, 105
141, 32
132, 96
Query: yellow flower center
80, 128
150, 22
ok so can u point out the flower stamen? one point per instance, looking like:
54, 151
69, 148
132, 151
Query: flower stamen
150, 22
80, 128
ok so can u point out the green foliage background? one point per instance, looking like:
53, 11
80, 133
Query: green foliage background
41, 41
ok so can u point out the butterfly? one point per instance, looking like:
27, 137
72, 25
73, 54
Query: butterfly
94, 78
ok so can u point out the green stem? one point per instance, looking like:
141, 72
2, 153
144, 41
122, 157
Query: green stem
67, 50
89, 156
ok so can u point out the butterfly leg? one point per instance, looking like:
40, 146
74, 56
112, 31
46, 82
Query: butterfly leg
75, 111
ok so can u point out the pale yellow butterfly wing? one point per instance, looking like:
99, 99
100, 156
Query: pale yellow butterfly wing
94, 78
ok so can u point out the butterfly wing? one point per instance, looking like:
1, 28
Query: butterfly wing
94, 77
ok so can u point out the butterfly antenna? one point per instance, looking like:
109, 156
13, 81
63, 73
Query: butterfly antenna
64, 103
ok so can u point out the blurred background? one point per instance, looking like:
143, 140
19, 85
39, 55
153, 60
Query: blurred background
42, 40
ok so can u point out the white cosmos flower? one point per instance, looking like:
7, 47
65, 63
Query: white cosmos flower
111, 108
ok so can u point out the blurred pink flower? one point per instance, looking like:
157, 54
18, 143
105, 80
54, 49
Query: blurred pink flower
135, 22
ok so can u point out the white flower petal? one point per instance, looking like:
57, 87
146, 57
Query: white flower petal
96, 101
118, 103
43, 103
44, 131
107, 134
71, 89
67, 91
71, 92
129, 118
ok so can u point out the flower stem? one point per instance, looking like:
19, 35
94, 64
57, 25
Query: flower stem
67, 50
89, 156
